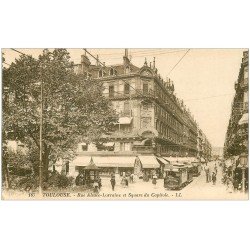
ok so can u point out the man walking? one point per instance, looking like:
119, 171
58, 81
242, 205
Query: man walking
112, 181
207, 173
214, 178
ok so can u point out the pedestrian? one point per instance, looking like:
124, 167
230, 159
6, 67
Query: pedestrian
165, 181
154, 180
96, 186
99, 180
236, 183
112, 181
124, 181
132, 178
207, 173
214, 178
215, 169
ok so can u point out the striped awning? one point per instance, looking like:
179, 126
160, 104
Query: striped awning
149, 161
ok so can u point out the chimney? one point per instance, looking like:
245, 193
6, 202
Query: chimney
154, 63
97, 60
126, 53
126, 60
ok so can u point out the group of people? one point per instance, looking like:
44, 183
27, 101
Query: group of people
232, 178
211, 173
126, 178
81, 180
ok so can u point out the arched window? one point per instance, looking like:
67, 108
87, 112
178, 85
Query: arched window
100, 74
111, 72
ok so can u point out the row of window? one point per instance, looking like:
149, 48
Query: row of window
167, 132
160, 112
102, 72
127, 89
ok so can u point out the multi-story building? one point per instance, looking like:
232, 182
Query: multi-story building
152, 120
204, 147
236, 141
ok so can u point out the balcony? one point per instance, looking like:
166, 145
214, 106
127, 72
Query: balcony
131, 94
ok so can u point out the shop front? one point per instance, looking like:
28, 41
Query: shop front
149, 166
122, 165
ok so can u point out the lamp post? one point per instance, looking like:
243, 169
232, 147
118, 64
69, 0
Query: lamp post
4, 140
243, 163
41, 143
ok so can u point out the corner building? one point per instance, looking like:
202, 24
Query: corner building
152, 120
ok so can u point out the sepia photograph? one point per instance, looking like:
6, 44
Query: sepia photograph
125, 124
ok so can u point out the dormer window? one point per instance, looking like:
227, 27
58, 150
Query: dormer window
112, 72
127, 69
101, 73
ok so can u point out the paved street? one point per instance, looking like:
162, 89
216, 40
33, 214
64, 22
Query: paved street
197, 189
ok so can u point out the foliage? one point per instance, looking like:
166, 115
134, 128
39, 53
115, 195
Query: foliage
30, 182
73, 109
59, 181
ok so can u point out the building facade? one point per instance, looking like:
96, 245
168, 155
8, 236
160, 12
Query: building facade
236, 141
152, 120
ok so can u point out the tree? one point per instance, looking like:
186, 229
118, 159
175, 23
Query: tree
73, 108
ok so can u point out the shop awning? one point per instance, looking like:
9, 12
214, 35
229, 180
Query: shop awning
244, 119
81, 161
125, 120
114, 161
149, 161
163, 161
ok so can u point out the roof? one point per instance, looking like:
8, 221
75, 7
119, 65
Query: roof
93, 69
91, 166
114, 161
149, 161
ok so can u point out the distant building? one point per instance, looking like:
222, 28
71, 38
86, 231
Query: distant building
217, 152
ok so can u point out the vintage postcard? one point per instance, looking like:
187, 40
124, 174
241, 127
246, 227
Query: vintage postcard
125, 124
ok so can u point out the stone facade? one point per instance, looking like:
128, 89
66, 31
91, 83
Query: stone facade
236, 141
152, 119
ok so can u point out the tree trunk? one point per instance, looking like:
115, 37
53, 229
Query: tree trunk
6, 174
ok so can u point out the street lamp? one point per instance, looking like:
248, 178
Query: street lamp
41, 139
243, 163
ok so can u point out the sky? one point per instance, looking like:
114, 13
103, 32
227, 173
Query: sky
204, 78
